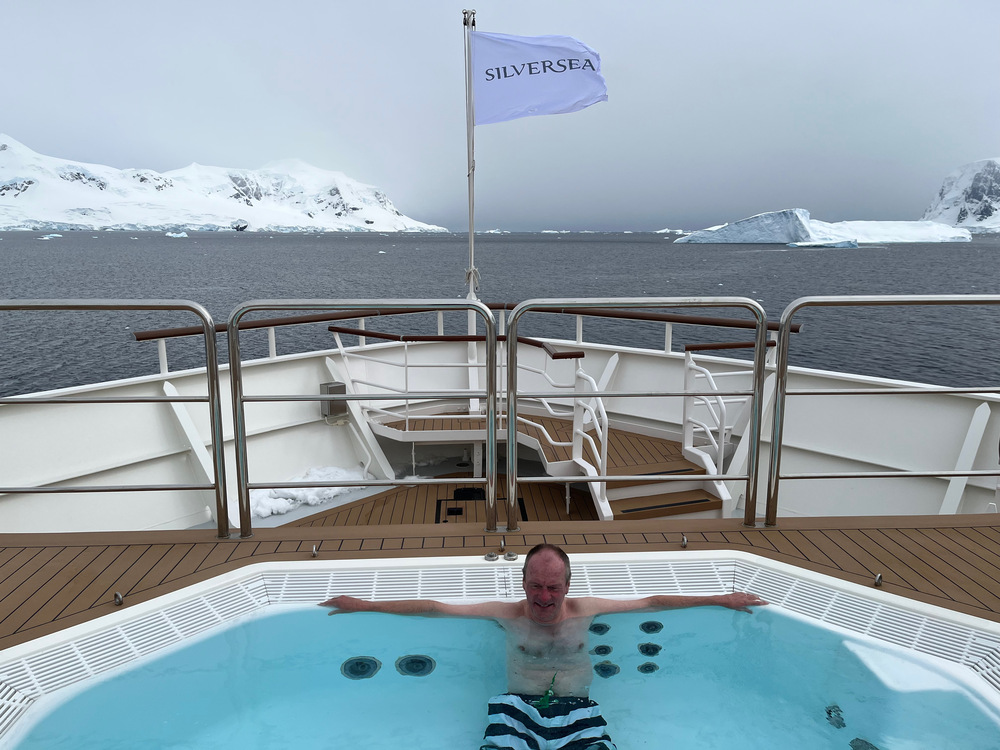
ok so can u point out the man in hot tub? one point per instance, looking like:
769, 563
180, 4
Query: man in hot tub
548, 665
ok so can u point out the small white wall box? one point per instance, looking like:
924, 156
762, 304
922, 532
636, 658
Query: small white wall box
333, 408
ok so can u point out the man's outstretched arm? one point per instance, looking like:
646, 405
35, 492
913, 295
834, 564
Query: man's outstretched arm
424, 607
592, 606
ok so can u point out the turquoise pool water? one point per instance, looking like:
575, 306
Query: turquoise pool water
710, 678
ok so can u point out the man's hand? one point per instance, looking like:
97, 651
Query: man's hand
740, 601
344, 604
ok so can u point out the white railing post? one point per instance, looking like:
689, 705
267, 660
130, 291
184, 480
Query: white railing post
406, 384
771, 357
717, 414
578, 413
272, 348
668, 336
161, 350
602, 431
579, 329
687, 425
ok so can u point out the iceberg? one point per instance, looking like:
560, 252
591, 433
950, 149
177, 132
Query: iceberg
873, 232
795, 227
825, 243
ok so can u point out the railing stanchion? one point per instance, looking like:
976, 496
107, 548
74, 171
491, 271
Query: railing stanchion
491, 422
581, 307
756, 416
778, 420
512, 510
386, 307
218, 484
781, 386
161, 353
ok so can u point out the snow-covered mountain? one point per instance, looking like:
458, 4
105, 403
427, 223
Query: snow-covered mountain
970, 197
45, 193
794, 226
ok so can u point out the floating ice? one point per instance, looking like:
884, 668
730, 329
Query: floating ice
794, 226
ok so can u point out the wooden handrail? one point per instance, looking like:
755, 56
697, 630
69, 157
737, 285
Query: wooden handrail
725, 345
698, 320
288, 320
408, 337
595, 312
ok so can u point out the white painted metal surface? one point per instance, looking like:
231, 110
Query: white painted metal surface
149, 443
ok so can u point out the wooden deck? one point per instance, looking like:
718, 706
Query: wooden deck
52, 581
49, 582
628, 452
451, 503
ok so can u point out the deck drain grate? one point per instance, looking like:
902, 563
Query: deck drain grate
13, 704
927, 635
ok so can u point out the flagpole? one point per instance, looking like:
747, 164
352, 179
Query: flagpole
471, 274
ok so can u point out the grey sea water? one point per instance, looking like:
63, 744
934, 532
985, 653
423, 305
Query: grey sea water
219, 270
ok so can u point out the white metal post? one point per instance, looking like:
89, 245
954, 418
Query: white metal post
161, 350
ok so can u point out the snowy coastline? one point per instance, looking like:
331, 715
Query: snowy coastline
43, 193
970, 198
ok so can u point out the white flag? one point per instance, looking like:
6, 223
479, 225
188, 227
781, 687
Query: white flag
522, 76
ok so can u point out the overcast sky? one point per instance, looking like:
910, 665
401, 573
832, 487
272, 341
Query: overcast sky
718, 109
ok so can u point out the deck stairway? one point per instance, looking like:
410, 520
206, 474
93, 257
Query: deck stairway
629, 453
573, 435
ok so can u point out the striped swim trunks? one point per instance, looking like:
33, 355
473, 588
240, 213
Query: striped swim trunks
516, 723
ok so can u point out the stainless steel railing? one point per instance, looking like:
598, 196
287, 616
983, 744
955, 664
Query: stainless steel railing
491, 392
782, 392
239, 399
569, 305
212, 399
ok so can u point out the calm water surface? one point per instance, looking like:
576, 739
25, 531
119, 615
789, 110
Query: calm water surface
49, 350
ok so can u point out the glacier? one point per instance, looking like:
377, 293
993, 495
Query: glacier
44, 193
970, 197
795, 227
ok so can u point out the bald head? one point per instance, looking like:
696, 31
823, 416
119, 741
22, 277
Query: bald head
546, 550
